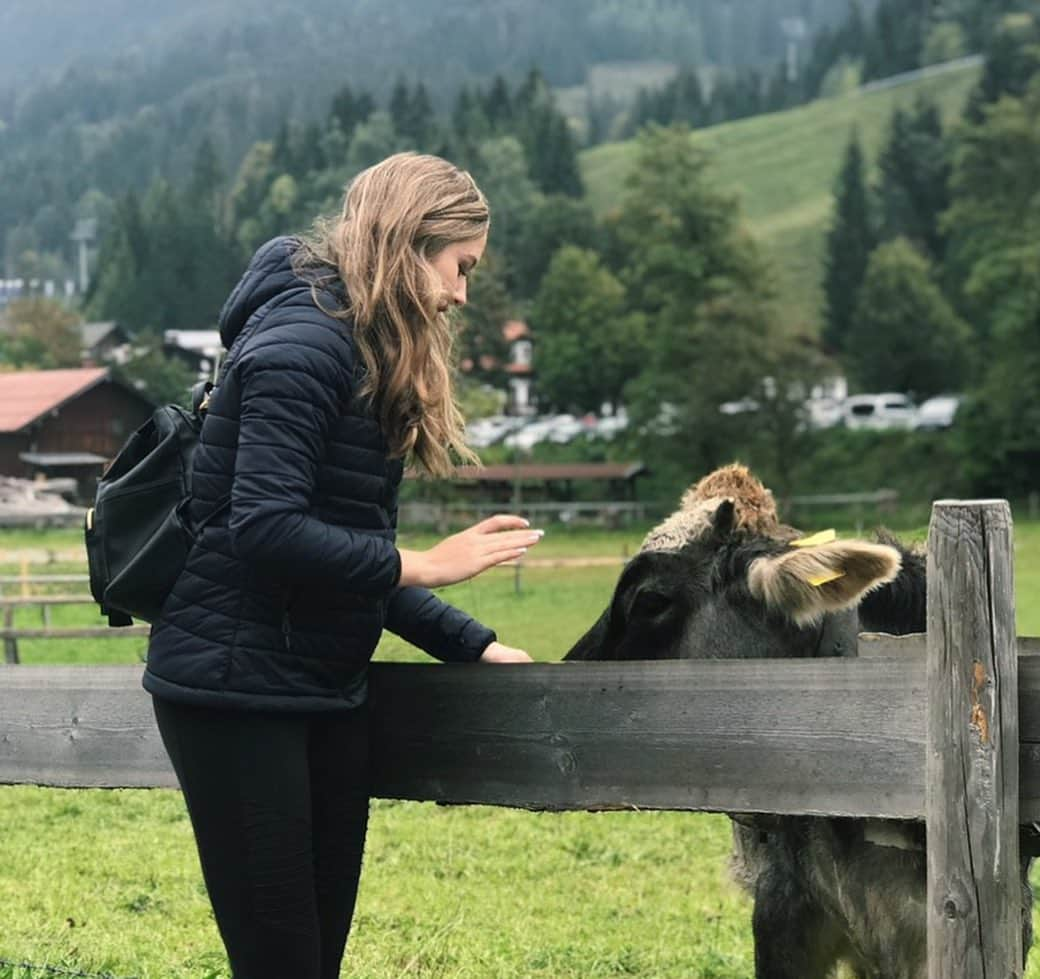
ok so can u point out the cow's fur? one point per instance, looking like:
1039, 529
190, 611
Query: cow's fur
723, 578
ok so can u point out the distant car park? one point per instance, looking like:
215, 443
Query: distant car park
879, 411
937, 413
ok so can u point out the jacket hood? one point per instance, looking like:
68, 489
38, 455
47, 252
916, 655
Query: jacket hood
269, 274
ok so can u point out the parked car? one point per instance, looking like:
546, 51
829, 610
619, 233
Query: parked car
483, 432
937, 413
879, 411
824, 412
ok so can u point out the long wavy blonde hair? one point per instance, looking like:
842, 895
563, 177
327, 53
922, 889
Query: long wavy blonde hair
396, 216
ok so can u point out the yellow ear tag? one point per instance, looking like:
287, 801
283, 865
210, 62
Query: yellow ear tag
823, 537
822, 579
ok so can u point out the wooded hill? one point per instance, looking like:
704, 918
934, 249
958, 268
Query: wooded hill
97, 99
782, 167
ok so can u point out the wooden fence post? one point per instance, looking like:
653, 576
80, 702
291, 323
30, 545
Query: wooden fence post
10, 643
972, 772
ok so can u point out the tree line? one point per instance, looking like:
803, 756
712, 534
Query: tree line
72, 141
665, 305
932, 277
897, 36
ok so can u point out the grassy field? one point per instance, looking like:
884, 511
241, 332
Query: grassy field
783, 167
107, 882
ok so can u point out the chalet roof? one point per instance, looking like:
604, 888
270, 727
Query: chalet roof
46, 460
549, 471
515, 330
202, 341
93, 333
26, 395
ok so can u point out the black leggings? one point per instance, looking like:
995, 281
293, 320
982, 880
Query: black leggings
279, 805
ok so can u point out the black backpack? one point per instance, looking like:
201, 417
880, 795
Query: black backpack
139, 532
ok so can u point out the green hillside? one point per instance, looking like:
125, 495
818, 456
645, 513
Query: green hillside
782, 166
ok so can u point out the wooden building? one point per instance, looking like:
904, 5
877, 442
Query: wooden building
66, 423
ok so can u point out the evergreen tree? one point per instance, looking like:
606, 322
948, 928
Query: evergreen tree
308, 156
282, 150
896, 39
400, 106
849, 243
554, 221
207, 180
551, 154
915, 172
482, 346
904, 334
701, 284
1012, 60
350, 109
469, 123
374, 140
498, 104
412, 115
993, 261
587, 342
501, 170
118, 290
423, 124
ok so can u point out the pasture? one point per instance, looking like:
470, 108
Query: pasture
107, 881
782, 166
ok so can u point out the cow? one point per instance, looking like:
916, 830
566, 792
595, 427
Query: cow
722, 577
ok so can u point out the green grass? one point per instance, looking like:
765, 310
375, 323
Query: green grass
107, 881
783, 167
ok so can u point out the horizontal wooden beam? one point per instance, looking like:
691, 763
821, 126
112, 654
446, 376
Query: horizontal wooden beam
829, 737
79, 632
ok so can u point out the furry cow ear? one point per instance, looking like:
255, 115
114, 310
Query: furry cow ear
723, 521
807, 583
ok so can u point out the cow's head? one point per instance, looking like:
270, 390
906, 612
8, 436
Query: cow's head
718, 583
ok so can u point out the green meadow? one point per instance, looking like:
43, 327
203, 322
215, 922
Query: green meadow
107, 882
782, 167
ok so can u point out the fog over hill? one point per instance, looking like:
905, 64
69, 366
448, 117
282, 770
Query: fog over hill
103, 97
39, 37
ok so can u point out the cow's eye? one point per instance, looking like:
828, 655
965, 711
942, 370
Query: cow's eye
649, 604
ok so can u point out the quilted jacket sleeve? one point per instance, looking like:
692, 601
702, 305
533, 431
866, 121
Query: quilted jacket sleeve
292, 384
445, 632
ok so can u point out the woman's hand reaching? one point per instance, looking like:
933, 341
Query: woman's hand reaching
497, 653
466, 554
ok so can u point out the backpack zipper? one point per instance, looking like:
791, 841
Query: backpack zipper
287, 631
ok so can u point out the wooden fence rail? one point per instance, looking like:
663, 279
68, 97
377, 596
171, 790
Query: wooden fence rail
10, 634
944, 728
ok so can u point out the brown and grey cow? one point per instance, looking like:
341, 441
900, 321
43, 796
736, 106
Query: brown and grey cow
722, 578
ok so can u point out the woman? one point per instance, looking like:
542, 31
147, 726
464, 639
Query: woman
338, 371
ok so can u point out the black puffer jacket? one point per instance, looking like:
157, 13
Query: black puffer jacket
285, 594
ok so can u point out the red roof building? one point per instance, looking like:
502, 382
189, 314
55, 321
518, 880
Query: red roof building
65, 422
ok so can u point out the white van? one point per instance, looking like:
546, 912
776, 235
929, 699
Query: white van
877, 411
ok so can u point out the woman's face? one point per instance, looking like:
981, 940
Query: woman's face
452, 264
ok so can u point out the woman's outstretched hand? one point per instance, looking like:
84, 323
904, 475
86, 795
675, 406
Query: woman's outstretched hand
497, 653
467, 553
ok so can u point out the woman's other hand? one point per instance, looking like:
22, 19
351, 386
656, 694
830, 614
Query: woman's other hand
465, 554
497, 653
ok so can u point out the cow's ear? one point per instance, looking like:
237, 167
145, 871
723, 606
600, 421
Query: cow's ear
808, 582
724, 519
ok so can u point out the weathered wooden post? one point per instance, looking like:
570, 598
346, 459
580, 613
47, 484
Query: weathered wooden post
972, 771
10, 643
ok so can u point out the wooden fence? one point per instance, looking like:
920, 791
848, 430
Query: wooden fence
944, 728
29, 597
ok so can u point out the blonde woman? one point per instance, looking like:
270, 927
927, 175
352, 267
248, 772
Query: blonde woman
340, 353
